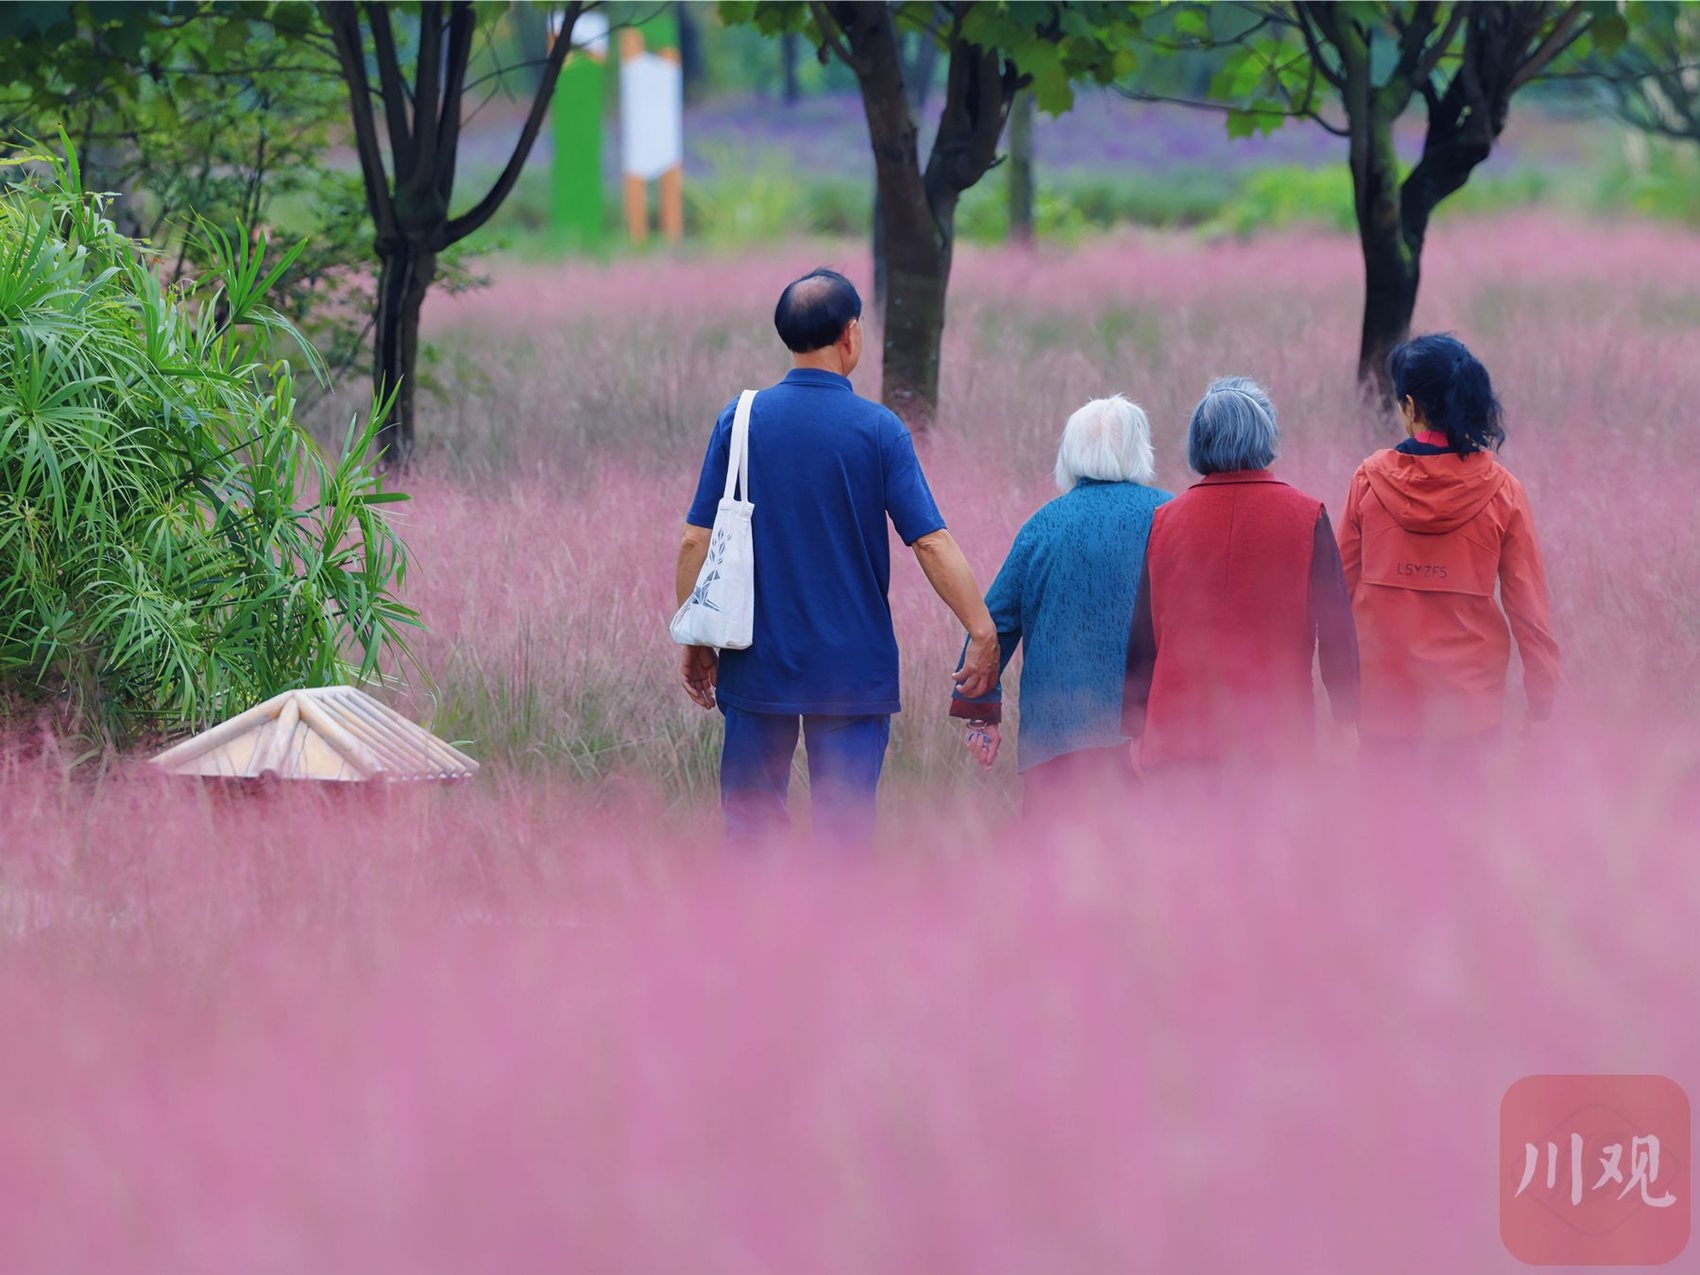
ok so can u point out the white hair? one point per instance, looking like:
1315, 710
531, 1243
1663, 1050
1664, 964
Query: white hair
1109, 439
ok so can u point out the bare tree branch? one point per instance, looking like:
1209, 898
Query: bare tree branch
459, 228
393, 87
1439, 48
428, 107
344, 23
1565, 32
1225, 108
833, 34
463, 24
1313, 44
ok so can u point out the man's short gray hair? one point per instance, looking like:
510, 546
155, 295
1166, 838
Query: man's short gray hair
1232, 428
1109, 439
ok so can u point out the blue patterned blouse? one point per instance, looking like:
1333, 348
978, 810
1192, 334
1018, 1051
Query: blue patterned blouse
1066, 592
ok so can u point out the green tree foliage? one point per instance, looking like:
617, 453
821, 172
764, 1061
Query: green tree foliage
1355, 67
173, 547
79, 49
993, 49
202, 112
410, 162
1654, 76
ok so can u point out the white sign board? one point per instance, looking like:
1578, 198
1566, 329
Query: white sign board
652, 109
590, 32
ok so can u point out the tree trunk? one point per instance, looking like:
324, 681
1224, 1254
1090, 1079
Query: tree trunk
1391, 274
912, 246
691, 69
917, 277
411, 219
1021, 168
879, 251
917, 211
790, 90
917, 61
404, 278
1505, 45
1391, 264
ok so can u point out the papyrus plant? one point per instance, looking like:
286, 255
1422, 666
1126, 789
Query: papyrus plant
173, 546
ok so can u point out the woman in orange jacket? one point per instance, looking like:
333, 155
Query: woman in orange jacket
1430, 527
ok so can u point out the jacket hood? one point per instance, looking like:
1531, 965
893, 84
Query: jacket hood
1434, 494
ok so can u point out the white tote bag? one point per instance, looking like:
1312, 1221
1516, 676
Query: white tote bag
721, 611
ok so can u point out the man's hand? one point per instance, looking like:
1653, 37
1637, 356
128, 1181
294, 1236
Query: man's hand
983, 741
978, 672
701, 674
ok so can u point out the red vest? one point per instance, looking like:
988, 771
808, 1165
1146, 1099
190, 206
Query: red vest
1229, 568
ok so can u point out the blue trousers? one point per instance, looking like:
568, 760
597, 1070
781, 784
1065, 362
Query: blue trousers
845, 757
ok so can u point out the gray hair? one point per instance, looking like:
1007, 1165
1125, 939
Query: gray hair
1233, 427
1109, 439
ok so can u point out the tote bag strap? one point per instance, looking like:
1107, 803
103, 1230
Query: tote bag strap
738, 461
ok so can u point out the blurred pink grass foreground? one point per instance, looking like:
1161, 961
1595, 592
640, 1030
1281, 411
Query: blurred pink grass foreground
546, 1021
482, 1030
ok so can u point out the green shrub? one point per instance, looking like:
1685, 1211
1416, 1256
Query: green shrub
173, 547
1272, 198
1179, 196
752, 198
756, 197
1498, 192
1654, 178
983, 214
1069, 206
1269, 198
840, 207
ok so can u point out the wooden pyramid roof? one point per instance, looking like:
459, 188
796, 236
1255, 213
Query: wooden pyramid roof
324, 732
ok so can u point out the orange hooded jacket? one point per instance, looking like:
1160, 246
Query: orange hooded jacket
1423, 541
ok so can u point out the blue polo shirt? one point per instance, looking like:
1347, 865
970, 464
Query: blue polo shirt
826, 470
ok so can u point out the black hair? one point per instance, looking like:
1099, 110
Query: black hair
1451, 389
814, 311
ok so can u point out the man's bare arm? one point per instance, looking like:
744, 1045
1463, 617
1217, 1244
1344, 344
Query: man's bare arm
700, 666
693, 552
947, 570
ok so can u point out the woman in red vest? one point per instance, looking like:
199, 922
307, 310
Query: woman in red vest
1430, 528
1242, 590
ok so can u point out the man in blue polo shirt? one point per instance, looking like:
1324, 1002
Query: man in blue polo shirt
826, 470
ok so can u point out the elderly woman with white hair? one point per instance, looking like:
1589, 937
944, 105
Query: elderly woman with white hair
1241, 595
1065, 592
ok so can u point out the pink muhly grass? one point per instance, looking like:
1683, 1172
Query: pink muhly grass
545, 1020
427, 1031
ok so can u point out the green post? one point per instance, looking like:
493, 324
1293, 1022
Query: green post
575, 205
660, 31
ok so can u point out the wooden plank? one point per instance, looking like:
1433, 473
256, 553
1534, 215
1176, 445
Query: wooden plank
280, 734
222, 733
356, 754
396, 750
409, 735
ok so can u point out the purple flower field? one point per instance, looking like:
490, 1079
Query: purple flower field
1105, 135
